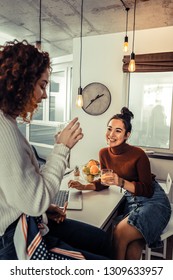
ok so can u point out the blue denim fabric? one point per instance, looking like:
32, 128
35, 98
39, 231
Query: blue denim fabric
7, 250
149, 215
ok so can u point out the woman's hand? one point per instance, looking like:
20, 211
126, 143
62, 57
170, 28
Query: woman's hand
70, 135
56, 213
76, 185
111, 179
117, 180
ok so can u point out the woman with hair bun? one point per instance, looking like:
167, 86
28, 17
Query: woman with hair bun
147, 209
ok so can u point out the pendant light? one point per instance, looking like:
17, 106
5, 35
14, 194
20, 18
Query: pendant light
126, 43
38, 42
79, 100
132, 66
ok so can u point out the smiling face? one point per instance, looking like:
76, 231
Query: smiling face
116, 133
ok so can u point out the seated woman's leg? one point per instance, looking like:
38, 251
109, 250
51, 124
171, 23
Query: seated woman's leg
82, 236
123, 235
53, 242
134, 249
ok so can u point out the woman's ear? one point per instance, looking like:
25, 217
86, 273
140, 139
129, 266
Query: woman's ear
128, 135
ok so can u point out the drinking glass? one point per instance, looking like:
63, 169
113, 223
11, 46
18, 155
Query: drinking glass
107, 177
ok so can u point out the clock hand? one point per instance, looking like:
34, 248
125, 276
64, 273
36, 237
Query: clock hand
98, 96
92, 100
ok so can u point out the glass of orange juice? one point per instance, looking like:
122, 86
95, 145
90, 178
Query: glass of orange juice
107, 177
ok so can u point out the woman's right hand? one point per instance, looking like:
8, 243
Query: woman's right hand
57, 214
77, 185
70, 135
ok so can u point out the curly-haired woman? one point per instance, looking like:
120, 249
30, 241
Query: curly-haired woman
24, 189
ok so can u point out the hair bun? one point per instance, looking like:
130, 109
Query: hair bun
127, 113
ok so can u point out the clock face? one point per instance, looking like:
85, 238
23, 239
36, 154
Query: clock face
96, 99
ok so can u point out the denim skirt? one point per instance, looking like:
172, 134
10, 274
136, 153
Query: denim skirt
149, 215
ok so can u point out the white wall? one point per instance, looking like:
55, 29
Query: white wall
102, 62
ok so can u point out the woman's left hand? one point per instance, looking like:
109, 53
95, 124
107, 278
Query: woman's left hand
117, 180
56, 213
111, 179
70, 135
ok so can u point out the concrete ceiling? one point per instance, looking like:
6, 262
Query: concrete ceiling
60, 19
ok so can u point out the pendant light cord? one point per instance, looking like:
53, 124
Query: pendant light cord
123, 4
40, 23
134, 22
127, 10
81, 34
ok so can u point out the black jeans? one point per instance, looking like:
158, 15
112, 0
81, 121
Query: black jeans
7, 249
92, 242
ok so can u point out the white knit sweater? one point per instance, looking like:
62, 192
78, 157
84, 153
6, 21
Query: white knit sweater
23, 187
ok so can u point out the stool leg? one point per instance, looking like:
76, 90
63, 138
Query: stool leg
147, 253
164, 248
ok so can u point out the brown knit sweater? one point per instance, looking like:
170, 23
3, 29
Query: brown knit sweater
130, 163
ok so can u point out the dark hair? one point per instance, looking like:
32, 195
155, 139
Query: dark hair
126, 117
21, 66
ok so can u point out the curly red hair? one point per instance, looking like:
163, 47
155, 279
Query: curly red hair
21, 66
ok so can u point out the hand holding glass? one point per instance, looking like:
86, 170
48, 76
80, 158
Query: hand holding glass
107, 177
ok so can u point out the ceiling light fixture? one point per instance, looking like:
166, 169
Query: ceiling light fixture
132, 66
126, 43
38, 42
79, 100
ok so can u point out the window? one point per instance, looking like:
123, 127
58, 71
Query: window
150, 99
54, 112
57, 97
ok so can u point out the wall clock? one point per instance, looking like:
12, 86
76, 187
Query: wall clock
96, 99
